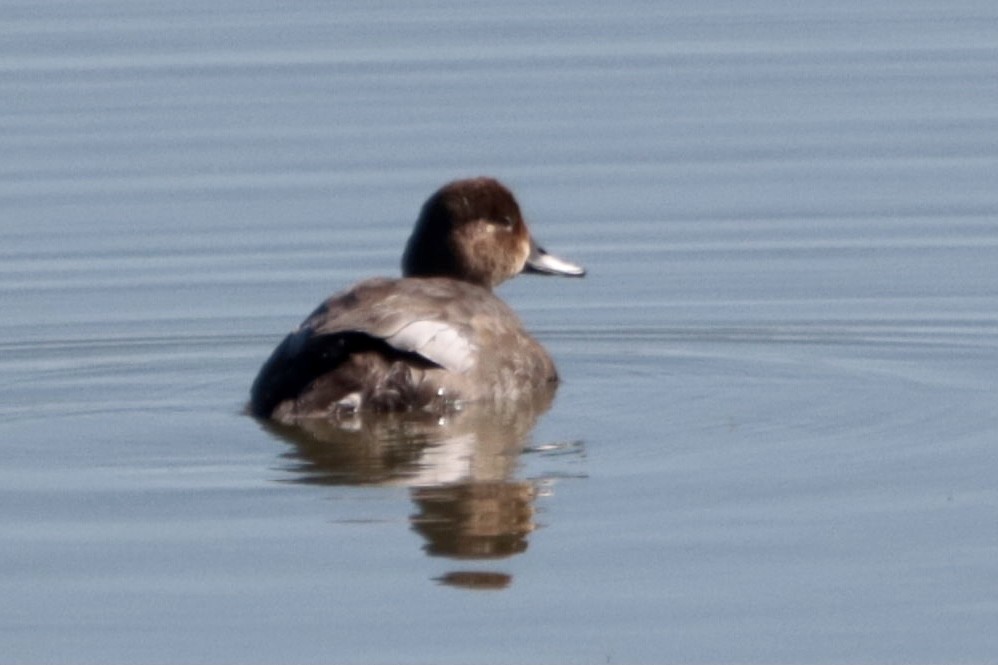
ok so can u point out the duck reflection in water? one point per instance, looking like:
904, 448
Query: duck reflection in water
461, 471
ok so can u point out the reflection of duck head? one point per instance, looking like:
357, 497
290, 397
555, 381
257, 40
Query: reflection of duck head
483, 520
460, 470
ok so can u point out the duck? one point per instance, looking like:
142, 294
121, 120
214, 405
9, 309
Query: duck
430, 341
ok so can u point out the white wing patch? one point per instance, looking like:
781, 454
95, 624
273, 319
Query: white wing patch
436, 341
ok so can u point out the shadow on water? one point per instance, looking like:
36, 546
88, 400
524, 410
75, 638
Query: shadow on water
460, 471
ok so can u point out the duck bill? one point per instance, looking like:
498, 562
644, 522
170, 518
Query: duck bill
539, 262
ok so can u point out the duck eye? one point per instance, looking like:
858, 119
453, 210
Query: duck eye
507, 221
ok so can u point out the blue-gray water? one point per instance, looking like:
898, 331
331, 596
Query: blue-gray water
776, 438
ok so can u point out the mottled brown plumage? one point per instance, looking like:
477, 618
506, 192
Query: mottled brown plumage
431, 340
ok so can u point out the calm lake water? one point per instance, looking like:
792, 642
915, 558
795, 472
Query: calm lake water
776, 437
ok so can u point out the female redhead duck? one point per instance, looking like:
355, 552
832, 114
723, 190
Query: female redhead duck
430, 341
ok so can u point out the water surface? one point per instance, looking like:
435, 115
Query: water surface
775, 439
